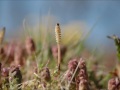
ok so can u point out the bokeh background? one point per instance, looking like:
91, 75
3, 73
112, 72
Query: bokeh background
85, 24
102, 16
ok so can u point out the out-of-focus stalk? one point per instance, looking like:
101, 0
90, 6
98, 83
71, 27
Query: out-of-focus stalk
2, 33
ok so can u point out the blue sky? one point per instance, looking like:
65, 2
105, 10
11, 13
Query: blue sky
12, 13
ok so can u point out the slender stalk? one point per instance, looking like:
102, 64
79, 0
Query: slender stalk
2, 34
59, 56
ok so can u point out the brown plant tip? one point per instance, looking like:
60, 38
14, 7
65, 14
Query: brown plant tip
80, 77
82, 64
57, 24
82, 82
72, 64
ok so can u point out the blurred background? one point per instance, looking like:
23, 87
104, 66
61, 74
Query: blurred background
103, 17
85, 25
